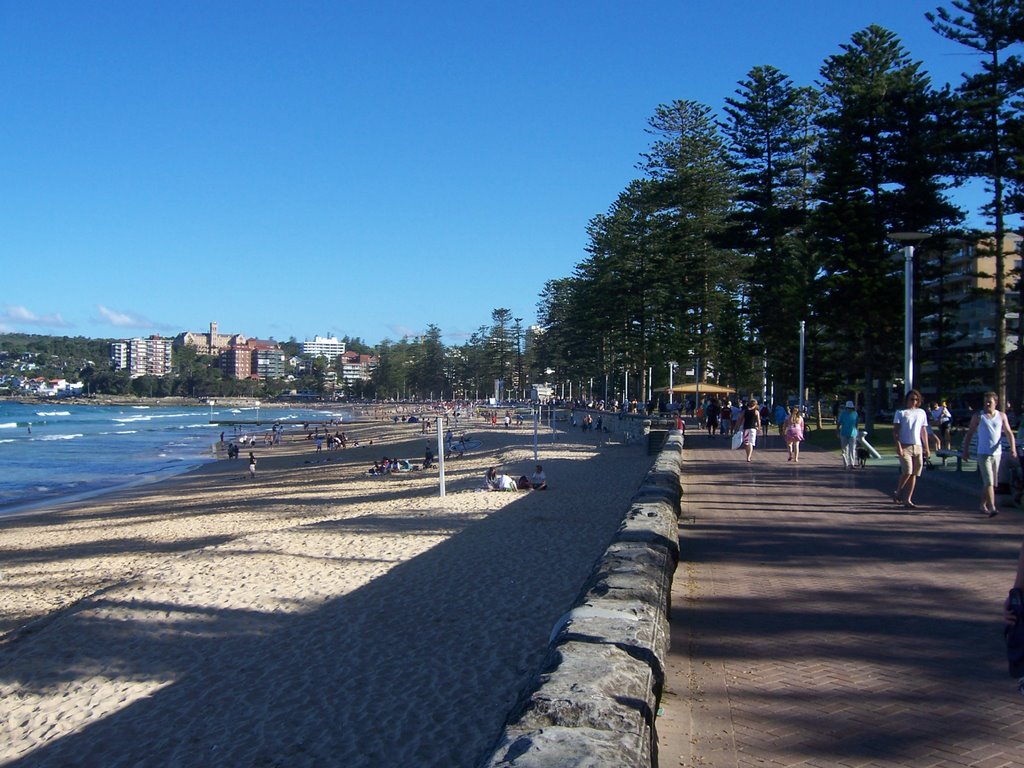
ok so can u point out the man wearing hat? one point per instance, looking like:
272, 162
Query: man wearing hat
846, 425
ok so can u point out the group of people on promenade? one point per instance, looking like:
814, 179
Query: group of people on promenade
913, 438
747, 421
990, 427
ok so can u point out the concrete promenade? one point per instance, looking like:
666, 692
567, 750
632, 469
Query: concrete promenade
815, 623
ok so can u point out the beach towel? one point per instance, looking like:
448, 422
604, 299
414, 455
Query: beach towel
737, 439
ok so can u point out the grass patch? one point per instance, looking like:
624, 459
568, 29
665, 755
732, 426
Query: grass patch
827, 437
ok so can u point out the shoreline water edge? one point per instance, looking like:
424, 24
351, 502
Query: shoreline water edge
57, 451
203, 615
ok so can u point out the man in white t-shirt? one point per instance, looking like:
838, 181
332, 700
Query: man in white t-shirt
910, 433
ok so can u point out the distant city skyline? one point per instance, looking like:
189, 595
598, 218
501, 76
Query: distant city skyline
351, 169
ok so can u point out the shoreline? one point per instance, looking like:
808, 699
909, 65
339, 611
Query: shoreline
208, 611
151, 472
199, 466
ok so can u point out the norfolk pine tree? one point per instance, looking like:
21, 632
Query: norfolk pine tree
770, 141
695, 186
989, 125
873, 180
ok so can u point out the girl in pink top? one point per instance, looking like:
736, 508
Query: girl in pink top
793, 433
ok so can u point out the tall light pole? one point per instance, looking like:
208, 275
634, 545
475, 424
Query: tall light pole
671, 371
519, 357
908, 239
696, 383
803, 328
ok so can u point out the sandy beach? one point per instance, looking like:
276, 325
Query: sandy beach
312, 616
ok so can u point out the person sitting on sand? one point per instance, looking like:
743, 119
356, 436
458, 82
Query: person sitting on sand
491, 480
538, 480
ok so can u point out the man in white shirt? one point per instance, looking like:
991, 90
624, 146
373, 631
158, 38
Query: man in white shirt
910, 433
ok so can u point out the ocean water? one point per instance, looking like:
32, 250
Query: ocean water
54, 452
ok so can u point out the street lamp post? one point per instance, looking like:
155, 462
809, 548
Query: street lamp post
671, 371
803, 328
696, 384
908, 239
519, 356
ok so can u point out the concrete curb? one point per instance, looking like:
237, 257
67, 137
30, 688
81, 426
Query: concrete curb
594, 701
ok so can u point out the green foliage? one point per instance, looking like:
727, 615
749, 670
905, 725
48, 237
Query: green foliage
292, 347
54, 356
874, 179
990, 139
772, 134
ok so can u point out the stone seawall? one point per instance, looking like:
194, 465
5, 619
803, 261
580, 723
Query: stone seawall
595, 698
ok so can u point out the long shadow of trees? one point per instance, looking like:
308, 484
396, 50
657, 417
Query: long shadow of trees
845, 626
438, 644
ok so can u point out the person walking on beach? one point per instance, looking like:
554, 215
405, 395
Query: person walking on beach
793, 433
252, 465
846, 426
750, 422
990, 425
910, 433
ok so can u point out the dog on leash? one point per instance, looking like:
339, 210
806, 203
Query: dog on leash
862, 457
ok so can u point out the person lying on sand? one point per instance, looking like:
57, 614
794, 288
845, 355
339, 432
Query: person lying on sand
507, 483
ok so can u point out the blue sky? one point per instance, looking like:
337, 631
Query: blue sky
360, 168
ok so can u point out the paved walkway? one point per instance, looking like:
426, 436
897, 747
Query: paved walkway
814, 623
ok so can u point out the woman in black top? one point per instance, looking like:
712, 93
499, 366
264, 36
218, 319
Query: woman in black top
751, 419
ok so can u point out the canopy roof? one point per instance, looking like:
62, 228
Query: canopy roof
706, 387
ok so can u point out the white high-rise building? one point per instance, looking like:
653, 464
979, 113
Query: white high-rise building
327, 346
140, 357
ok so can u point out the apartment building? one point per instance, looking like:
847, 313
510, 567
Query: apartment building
956, 323
356, 367
323, 346
255, 359
269, 363
142, 357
